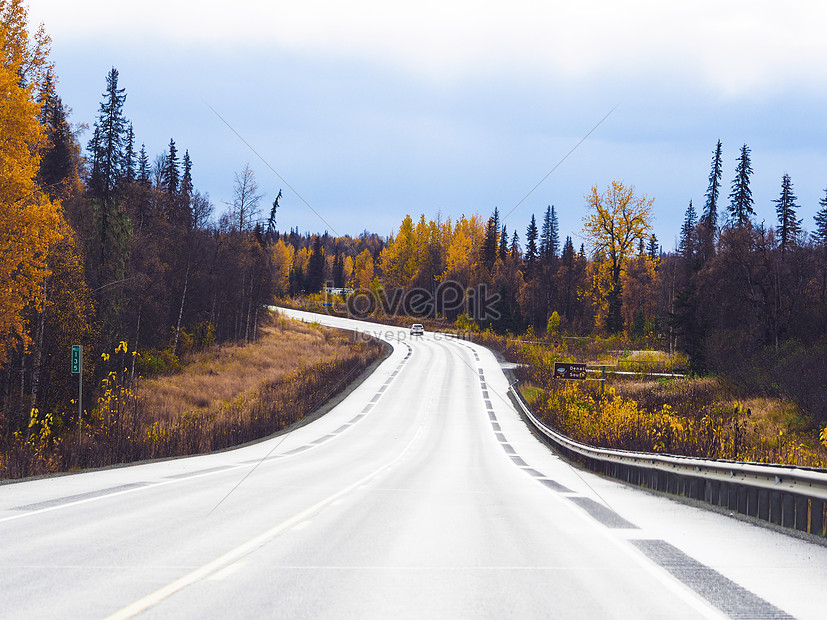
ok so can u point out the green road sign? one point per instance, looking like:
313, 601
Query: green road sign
77, 359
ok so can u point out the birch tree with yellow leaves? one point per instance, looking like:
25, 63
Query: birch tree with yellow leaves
30, 223
616, 223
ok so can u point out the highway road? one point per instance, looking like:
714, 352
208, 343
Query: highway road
421, 495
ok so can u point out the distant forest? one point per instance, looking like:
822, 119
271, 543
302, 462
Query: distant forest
107, 246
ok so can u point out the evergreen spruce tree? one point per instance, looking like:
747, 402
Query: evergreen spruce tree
107, 153
108, 141
566, 283
58, 163
315, 267
129, 155
144, 168
652, 248
708, 228
820, 233
490, 245
549, 237
789, 228
820, 239
545, 236
710, 214
502, 253
740, 206
554, 241
170, 172
514, 250
687, 242
530, 248
185, 188
567, 256
271, 221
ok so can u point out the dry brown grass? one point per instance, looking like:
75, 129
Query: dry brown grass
214, 378
223, 398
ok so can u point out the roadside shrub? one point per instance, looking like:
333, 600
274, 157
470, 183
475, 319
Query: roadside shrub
157, 362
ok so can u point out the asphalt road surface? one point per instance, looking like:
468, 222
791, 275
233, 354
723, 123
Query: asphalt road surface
421, 495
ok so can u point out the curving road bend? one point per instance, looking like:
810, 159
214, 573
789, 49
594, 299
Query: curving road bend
422, 494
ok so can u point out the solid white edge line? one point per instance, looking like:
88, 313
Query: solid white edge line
155, 485
247, 547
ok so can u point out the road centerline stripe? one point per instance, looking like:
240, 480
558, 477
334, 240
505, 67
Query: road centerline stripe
251, 545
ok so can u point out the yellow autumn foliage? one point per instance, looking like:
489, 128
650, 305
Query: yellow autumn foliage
282, 263
616, 422
30, 223
363, 272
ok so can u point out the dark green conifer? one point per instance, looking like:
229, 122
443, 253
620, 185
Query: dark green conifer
789, 227
503, 250
740, 206
530, 257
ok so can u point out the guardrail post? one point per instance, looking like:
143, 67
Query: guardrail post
818, 517
788, 510
764, 504
776, 512
709, 491
732, 497
752, 502
802, 513
741, 500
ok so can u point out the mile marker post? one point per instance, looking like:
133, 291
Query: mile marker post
77, 369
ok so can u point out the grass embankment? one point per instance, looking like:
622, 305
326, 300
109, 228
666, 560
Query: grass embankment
702, 417
222, 397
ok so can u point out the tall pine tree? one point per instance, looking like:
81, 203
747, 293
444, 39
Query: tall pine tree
687, 243
789, 228
502, 253
514, 250
820, 239
144, 168
186, 177
710, 214
740, 205
271, 221
530, 248
490, 242
171, 172
108, 141
107, 149
709, 218
652, 248
549, 237
820, 233
129, 155
58, 173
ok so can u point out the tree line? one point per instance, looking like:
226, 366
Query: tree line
742, 298
103, 244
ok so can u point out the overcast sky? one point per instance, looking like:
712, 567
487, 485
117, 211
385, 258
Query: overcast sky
373, 109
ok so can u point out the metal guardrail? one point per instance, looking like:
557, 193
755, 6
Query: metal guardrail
785, 495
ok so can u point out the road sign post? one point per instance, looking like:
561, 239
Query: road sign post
77, 369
